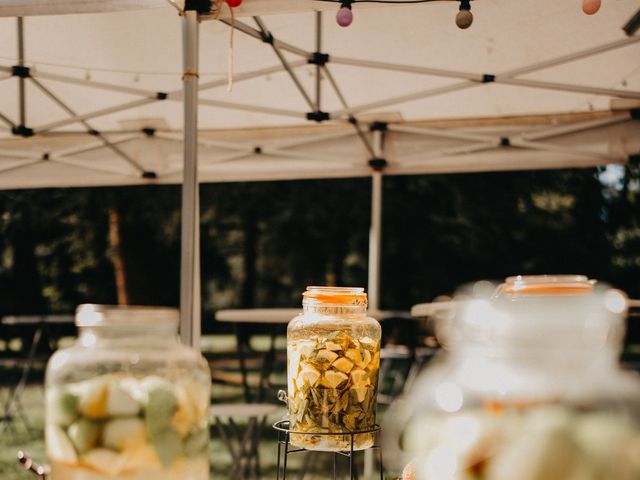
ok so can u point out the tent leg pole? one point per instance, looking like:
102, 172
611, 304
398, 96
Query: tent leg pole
190, 248
21, 81
375, 235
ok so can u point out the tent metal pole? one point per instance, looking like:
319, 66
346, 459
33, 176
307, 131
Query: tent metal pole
190, 253
318, 66
375, 233
22, 112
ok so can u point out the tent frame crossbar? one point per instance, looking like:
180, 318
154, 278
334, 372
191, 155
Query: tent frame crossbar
474, 79
576, 127
90, 130
91, 147
266, 35
7, 120
94, 114
255, 33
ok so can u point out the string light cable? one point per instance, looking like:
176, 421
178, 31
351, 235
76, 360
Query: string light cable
344, 17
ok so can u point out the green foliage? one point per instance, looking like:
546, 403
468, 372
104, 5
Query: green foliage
262, 243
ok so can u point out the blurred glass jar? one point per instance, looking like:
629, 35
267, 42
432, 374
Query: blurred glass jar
529, 389
333, 358
127, 400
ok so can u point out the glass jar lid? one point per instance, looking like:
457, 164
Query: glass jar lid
546, 285
336, 296
92, 315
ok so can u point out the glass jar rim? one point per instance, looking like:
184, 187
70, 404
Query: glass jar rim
343, 296
94, 315
547, 285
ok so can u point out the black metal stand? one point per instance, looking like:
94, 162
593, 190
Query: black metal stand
285, 448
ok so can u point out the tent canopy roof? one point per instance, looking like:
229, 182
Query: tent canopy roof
406, 66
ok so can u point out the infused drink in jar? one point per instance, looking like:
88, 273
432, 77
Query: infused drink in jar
529, 388
127, 401
333, 358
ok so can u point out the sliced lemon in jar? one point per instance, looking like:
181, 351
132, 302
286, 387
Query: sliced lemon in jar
343, 364
369, 343
326, 357
333, 379
308, 375
354, 355
332, 346
359, 377
361, 393
375, 362
366, 358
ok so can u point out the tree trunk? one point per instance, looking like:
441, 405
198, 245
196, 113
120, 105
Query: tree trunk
115, 241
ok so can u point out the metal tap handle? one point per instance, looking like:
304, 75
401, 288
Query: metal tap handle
283, 397
29, 465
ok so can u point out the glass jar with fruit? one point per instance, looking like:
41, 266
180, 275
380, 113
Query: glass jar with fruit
529, 389
333, 358
127, 400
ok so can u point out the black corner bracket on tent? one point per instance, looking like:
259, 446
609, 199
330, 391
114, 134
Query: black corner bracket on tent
149, 175
45, 157
378, 164
488, 78
200, 6
20, 71
318, 116
93, 132
635, 113
317, 58
267, 37
257, 150
22, 131
505, 142
148, 131
378, 127
161, 95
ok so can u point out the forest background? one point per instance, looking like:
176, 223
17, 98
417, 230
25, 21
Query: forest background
263, 243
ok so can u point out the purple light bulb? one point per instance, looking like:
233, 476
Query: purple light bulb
344, 16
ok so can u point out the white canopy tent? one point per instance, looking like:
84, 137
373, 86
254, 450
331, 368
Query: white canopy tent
89, 100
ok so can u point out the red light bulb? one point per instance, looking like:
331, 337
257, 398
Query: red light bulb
591, 6
233, 3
